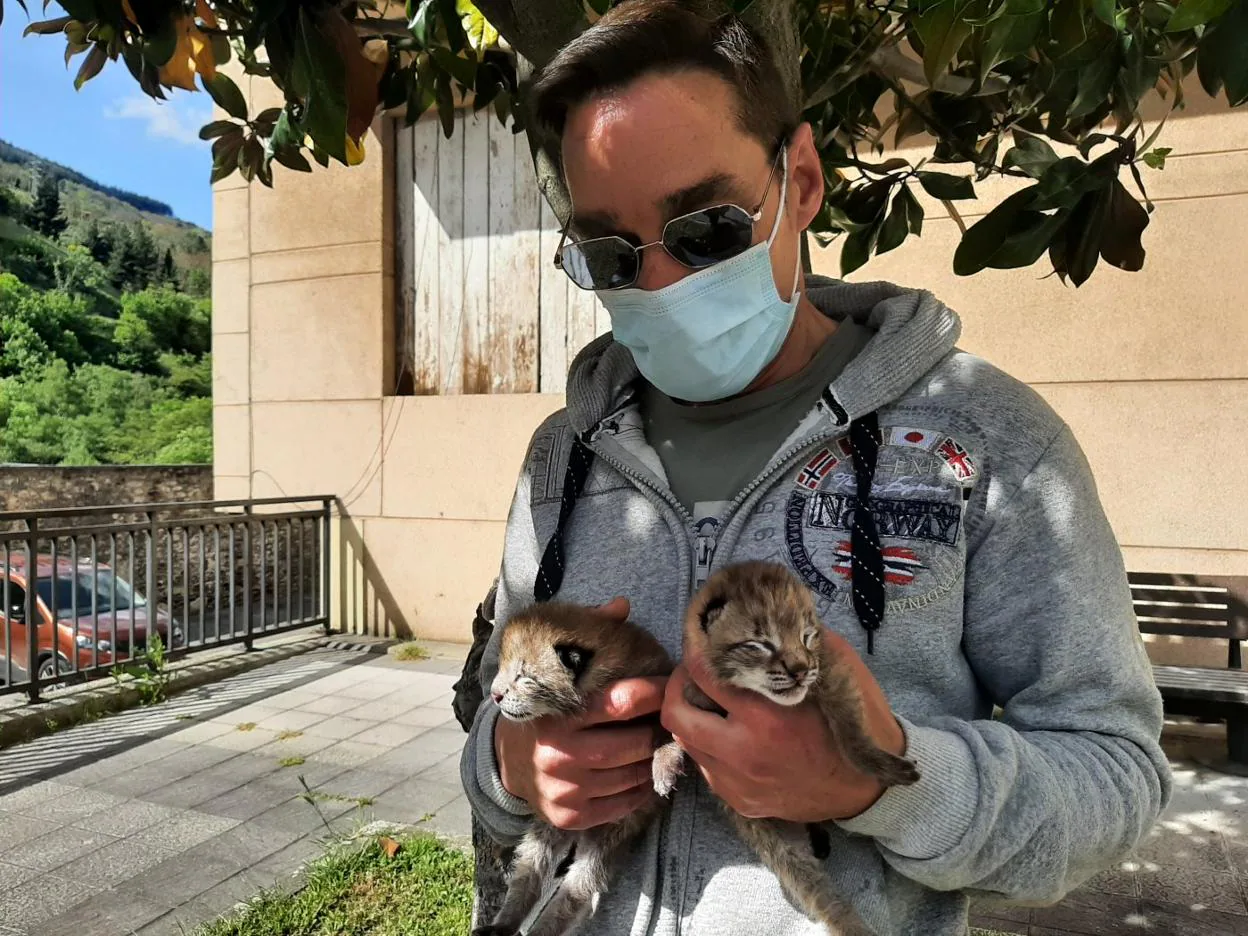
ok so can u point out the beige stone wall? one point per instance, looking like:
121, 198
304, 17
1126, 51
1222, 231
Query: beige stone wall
1150, 369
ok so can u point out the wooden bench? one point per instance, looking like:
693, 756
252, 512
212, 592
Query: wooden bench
1202, 606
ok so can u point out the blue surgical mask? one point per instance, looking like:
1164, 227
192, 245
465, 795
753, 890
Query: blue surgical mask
707, 336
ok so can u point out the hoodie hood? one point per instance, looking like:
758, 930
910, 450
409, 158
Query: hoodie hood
914, 331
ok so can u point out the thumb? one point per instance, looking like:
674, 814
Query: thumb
726, 697
615, 610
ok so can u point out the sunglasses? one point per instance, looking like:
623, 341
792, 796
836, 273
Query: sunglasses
696, 240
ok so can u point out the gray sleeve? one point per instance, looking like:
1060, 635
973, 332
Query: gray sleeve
1071, 776
504, 816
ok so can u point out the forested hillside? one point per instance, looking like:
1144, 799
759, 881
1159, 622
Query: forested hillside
105, 326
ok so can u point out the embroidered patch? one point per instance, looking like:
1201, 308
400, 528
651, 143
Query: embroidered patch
912, 438
817, 469
794, 515
908, 519
900, 564
957, 458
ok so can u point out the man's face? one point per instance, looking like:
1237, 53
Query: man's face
669, 144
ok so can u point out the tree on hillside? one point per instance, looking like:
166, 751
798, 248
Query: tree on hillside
997, 84
99, 241
168, 274
134, 261
45, 214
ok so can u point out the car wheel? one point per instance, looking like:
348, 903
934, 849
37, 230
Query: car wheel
50, 668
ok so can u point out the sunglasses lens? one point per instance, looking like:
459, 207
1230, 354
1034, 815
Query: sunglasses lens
709, 236
600, 263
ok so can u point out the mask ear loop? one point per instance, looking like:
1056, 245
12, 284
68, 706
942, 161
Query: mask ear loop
775, 228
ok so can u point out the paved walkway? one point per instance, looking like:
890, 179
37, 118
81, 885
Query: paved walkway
158, 819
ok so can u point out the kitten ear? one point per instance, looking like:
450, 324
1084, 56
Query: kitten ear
714, 607
575, 658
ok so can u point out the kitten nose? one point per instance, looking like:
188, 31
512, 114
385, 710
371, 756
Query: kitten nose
496, 696
796, 670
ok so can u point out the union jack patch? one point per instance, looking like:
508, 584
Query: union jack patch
817, 469
900, 563
957, 458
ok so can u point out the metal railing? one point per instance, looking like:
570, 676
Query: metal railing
83, 588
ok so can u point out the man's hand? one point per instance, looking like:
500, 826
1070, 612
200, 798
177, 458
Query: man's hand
768, 761
584, 772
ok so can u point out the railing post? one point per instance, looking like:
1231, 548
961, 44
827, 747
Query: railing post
325, 550
247, 573
32, 619
150, 585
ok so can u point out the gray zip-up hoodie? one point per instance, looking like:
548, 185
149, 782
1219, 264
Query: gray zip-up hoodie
1005, 587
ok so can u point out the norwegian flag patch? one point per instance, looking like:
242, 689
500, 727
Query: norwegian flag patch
817, 469
957, 458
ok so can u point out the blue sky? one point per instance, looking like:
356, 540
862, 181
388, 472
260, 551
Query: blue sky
110, 130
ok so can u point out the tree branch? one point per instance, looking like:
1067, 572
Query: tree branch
891, 63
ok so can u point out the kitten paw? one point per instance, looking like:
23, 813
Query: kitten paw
667, 766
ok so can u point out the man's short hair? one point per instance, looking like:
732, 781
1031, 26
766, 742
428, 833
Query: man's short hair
645, 37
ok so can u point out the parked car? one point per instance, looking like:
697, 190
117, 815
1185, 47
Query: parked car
112, 618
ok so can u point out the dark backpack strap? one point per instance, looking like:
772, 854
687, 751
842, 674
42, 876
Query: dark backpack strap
468, 693
550, 569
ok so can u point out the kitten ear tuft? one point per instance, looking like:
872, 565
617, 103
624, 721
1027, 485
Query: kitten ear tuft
712, 610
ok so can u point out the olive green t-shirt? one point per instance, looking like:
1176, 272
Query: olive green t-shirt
711, 451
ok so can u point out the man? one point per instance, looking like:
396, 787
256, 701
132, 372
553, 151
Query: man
943, 516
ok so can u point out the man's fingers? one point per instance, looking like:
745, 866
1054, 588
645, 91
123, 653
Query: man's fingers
626, 699
600, 749
619, 779
613, 808
725, 697
614, 610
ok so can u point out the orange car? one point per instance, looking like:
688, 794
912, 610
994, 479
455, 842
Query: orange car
99, 617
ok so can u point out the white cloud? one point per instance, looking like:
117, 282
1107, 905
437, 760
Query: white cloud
177, 120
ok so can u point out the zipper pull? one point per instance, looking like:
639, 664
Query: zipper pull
705, 539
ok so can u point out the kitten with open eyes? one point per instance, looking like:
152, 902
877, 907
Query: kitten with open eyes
552, 659
756, 626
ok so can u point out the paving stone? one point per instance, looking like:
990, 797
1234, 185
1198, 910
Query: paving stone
186, 831
415, 758
198, 732
56, 848
1209, 890
297, 818
364, 781
341, 727
1091, 914
128, 818
114, 863
444, 771
350, 753
1197, 850
330, 705
1122, 883
15, 829
455, 818
105, 914
997, 925
211, 783
1173, 920
282, 864
292, 720
248, 801
303, 746
188, 874
367, 690
426, 716
11, 875
20, 798
390, 735
412, 800
243, 741
246, 713
71, 806
34, 902
447, 740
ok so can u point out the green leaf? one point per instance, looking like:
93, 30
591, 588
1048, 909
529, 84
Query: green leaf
91, 65
48, 27
221, 51
159, 44
856, 249
446, 103
292, 159
1105, 11
1156, 159
418, 20
1063, 184
1192, 13
895, 227
481, 35
1125, 221
225, 155
943, 29
325, 119
1095, 81
215, 129
286, 132
1008, 237
461, 69
914, 210
1032, 155
599, 6
455, 34
1221, 59
947, 187
225, 92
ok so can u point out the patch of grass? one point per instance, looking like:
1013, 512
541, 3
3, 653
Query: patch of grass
291, 761
246, 726
424, 890
184, 717
409, 652
288, 735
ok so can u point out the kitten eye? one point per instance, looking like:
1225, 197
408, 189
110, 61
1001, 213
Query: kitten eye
810, 639
574, 658
758, 646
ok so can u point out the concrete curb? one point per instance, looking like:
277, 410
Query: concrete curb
54, 714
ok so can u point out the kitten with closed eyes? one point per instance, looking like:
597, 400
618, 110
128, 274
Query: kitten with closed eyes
755, 625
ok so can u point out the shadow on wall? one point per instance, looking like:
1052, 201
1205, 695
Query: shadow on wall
365, 603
